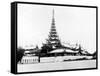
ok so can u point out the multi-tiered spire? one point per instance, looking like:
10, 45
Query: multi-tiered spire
53, 39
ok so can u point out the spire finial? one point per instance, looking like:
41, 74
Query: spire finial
53, 13
53, 20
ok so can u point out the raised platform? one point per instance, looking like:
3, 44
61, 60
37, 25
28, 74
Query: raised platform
67, 65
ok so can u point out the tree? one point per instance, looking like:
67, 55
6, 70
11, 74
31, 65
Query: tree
19, 54
80, 50
94, 55
44, 49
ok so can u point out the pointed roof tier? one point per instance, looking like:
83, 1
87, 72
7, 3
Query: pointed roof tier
53, 38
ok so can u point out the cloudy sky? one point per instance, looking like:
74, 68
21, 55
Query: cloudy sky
73, 24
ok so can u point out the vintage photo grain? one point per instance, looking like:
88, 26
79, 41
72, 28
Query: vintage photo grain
55, 38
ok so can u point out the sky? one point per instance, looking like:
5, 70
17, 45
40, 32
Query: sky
73, 25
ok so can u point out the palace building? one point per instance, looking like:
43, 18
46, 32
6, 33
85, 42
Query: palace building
53, 50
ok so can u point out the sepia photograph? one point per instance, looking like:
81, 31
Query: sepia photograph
54, 37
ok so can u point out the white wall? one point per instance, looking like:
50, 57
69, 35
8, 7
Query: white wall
5, 38
61, 58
